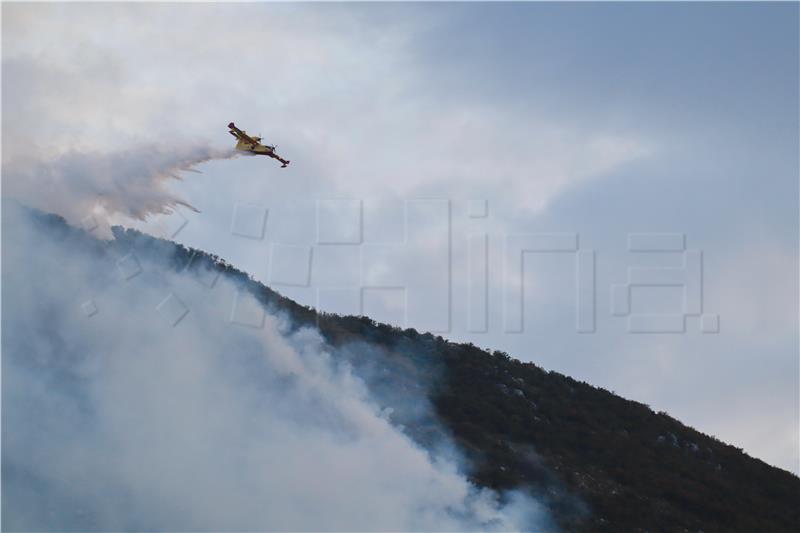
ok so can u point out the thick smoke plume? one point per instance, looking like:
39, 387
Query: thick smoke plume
131, 183
138, 398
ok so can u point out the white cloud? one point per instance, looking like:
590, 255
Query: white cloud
342, 91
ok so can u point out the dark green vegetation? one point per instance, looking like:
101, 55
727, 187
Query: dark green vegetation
598, 461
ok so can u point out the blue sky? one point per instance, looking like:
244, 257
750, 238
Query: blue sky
596, 119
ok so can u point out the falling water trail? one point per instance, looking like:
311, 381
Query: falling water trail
132, 184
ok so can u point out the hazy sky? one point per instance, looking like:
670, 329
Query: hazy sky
402, 119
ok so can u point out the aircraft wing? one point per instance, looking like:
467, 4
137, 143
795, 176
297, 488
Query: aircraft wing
239, 134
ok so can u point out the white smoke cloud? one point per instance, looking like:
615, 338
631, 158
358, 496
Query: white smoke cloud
120, 421
116, 420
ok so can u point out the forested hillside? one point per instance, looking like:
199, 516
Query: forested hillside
598, 461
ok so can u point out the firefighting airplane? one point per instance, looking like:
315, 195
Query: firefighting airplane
253, 145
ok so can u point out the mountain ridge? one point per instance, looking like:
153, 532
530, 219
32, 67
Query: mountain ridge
598, 461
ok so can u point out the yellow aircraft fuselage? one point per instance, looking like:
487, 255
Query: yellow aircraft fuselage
257, 148
246, 143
